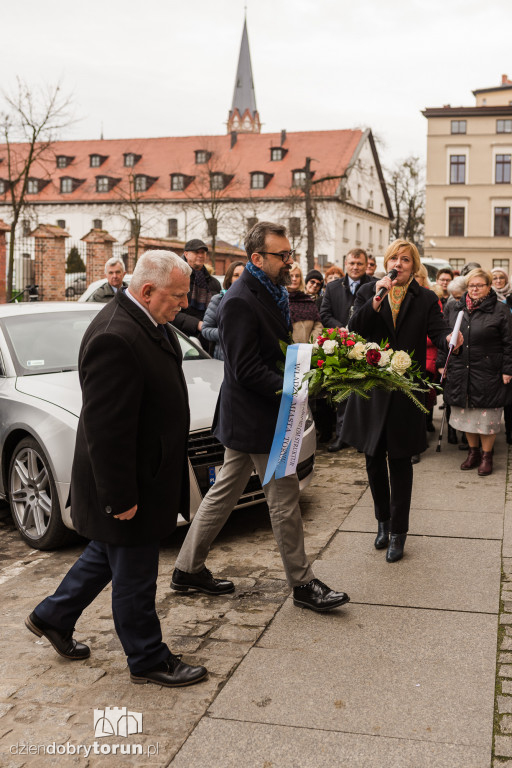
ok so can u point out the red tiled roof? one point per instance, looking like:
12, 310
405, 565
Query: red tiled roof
331, 153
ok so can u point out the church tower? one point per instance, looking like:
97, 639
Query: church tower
244, 117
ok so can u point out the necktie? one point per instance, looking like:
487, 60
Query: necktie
163, 331
353, 287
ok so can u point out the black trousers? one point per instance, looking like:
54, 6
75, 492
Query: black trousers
391, 490
133, 572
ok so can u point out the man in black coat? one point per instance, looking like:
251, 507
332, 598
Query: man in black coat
202, 287
130, 471
336, 310
253, 318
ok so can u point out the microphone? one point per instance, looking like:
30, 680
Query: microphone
392, 274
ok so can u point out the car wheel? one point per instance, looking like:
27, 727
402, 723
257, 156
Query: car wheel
69, 292
33, 498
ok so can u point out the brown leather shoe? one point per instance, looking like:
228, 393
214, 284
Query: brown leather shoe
473, 460
485, 466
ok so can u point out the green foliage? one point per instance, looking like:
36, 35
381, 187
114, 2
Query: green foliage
74, 261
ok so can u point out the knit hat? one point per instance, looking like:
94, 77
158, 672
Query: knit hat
314, 274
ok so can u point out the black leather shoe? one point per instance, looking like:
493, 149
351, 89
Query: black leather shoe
171, 673
396, 547
63, 642
202, 581
336, 445
415, 459
382, 539
318, 596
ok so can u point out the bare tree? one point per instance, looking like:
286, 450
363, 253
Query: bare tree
210, 194
406, 183
29, 126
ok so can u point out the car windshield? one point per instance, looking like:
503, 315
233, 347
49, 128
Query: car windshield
190, 352
46, 342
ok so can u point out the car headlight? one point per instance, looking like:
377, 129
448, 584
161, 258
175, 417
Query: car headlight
309, 419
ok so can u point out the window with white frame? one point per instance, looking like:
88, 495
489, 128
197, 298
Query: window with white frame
94, 161
503, 126
456, 221
129, 160
102, 184
66, 184
217, 181
502, 169
501, 221
32, 186
141, 183
457, 169
458, 126
501, 264
298, 178
257, 181
457, 263
3, 187
177, 182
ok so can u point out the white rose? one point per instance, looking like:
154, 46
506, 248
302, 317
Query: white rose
329, 346
385, 357
371, 345
358, 351
400, 362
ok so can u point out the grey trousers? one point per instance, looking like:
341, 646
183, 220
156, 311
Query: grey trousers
283, 502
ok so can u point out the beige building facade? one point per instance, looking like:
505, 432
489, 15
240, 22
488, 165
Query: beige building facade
469, 189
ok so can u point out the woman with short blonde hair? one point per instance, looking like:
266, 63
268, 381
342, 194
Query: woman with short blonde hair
304, 314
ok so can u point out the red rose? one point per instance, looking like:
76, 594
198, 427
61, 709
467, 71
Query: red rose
320, 363
350, 342
320, 340
373, 356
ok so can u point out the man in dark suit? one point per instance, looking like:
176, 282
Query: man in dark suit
130, 471
202, 287
114, 272
253, 318
336, 310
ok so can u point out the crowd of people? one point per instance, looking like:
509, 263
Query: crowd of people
135, 407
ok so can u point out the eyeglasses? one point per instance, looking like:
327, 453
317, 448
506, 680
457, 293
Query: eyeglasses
284, 255
499, 278
479, 286
315, 282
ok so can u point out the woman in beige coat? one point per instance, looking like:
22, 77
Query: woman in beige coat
304, 312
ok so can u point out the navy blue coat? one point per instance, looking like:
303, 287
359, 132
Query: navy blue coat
250, 325
393, 414
131, 443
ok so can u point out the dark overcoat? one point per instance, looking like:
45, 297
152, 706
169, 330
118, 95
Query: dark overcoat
474, 376
131, 444
337, 301
393, 414
250, 326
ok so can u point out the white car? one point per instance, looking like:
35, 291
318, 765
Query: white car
40, 402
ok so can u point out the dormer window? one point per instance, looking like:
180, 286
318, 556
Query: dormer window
96, 160
105, 183
143, 182
259, 180
298, 178
64, 160
277, 153
202, 156
68, 184
131, 159
3, 186
36, 185
180, 181
219, 180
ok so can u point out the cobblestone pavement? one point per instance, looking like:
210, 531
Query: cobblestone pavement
45, 700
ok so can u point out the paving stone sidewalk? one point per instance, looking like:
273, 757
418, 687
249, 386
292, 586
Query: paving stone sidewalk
403, 676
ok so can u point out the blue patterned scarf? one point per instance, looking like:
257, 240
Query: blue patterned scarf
278, 292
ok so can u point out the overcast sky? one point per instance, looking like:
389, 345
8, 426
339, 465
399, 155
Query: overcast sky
167, 67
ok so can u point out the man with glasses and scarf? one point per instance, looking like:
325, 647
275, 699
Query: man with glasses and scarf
253, 317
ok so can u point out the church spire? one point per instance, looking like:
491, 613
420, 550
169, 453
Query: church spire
243, 117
